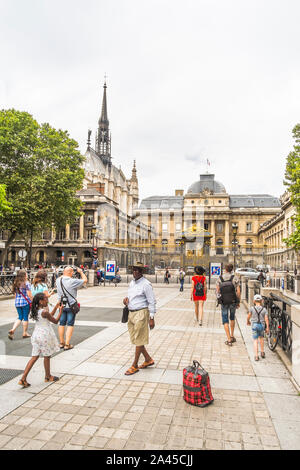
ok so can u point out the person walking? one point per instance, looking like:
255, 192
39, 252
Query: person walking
43, 340
141, 303
259, 321
181, 279
261, 278
199, 293
229, 293
167, 276
23, 298
67, 288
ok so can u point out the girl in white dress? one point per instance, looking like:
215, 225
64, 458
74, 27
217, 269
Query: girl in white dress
43, 339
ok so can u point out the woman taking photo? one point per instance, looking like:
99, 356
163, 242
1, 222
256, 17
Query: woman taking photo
23, 298
198, 293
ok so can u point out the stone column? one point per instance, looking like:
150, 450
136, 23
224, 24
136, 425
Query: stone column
91, 278
295, 315
243, 287
53, 233
96, 217
68, 232
81, 228
213, 238
227, 242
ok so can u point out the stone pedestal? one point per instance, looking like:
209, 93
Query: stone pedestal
295, 314
91, 278
243, 281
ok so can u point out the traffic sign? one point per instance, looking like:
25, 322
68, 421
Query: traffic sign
22, 254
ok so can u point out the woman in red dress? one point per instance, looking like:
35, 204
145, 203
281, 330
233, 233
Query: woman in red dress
199, 300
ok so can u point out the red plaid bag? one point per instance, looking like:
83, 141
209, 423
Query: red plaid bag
196, 385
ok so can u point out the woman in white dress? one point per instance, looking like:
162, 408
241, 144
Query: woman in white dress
43, 339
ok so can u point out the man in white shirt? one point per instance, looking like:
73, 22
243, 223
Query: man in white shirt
141, 303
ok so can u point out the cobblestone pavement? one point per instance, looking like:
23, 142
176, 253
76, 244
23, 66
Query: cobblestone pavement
94, 406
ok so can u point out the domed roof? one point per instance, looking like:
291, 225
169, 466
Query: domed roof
207, 182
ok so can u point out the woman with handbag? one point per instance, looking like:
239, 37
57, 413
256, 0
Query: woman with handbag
23, 298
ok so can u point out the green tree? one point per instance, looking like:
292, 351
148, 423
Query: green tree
4, 204
42, 170
292, 180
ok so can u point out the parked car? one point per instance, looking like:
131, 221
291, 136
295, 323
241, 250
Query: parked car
248, 272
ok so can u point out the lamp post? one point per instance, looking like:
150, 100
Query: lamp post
234, 232
182, 247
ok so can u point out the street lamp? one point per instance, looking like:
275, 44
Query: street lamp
234, 232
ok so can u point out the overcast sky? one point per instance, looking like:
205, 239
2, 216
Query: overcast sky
187, 81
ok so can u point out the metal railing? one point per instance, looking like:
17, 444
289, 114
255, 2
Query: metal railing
7, 280
280, 308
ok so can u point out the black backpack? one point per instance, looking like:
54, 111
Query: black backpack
227, 291
199, 289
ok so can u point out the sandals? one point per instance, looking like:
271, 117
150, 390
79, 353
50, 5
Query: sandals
233, 340
68, 346
26, 336
132, 370
52, 378
11, 335
147, 364
263, 355
61, 345
228, 343
256, 358
24, 383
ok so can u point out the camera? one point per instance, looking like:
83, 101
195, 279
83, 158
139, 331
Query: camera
64, 301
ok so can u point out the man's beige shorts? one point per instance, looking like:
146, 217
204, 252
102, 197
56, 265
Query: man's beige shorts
138, 327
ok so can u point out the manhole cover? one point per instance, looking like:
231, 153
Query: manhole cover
8, 374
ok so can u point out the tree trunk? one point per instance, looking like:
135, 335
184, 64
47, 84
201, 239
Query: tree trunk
3, 255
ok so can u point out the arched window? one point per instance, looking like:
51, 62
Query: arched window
219, 249
164, 244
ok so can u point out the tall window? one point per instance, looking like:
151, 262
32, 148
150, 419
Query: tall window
74, 234
164, 227
249, 245
164, 244
249, 227
220, 227
219, 249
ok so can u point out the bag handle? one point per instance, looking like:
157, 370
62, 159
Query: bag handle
196, 366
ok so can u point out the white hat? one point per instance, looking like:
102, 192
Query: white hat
257, 297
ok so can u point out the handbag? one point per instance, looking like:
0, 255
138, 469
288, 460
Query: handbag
125, 314
74, 307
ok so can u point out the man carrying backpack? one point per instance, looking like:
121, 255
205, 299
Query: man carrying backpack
229, 293
181, 279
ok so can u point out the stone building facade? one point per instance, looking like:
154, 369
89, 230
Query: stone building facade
197, 226
109, 226
272, 234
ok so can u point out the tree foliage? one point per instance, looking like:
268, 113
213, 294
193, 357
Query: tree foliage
4, 204
41, 168
292, 180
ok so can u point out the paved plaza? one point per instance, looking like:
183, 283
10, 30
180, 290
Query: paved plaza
95, 406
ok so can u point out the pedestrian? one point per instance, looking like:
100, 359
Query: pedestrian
99, 276
67, 288
199, 293
142, 307
43, 340
260, 321
181, 279
39, 284
295, 271
167, 277
229, 293
23, 298
261, 277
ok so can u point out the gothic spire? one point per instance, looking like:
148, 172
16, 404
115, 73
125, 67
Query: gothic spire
133, 174
103, 140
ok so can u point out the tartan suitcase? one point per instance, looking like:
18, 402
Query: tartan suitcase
196, 386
